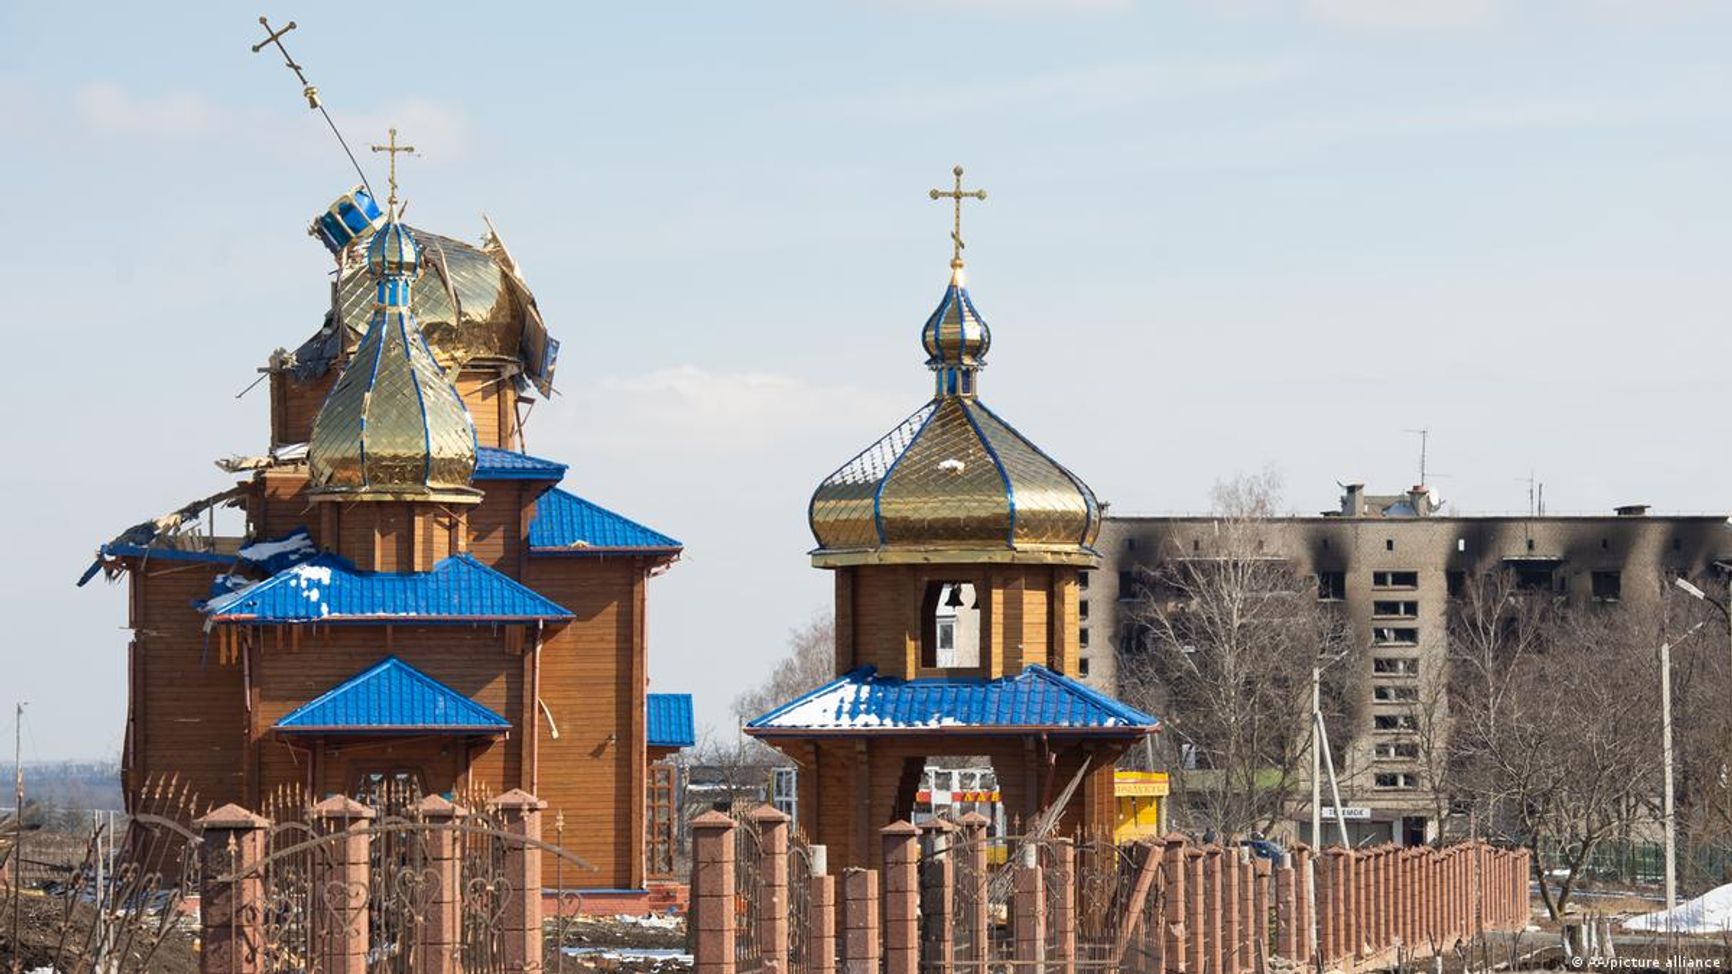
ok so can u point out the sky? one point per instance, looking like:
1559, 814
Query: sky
1219, 236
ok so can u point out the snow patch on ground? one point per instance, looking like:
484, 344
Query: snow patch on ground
1709, 913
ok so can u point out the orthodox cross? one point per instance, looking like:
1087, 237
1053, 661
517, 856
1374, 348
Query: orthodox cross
393, 148
956, 196
276, 37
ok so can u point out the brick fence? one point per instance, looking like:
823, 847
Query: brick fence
436, 886
950, 899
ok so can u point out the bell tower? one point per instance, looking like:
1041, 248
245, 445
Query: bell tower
956, 545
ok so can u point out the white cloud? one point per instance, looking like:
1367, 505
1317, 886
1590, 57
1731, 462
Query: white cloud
692, 409
104, 109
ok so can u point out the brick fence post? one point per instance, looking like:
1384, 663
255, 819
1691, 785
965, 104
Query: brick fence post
519, 814
821, 925
231, 910
901, 844
1305, 902
1247, 915
1262, 871
1230, 911
442, 934
973, 854
341, 882
1176, 904
1329, 904
860, 948
1061, 926
1212, 909
1196, 910
937, 896
713, 893
1028, 909
772, 892
1286, 911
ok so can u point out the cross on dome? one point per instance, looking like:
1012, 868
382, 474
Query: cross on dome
393, 149
957, 195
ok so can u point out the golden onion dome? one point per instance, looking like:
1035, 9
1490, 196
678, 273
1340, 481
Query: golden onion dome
392, 252
393, 427
954, 483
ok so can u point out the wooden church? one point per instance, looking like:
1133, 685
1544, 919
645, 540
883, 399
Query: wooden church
956, 545
416, 602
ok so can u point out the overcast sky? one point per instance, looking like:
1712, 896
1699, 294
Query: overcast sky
1220, 235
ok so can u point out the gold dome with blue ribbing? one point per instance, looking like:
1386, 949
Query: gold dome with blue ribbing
954, 483
393, 427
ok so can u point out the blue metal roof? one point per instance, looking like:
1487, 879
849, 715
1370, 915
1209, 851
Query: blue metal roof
392, 697
1035, 699
492, 463
331, 589
669, 722
566, 523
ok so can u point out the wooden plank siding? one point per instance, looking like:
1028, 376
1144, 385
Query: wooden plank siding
189, 713
593, 685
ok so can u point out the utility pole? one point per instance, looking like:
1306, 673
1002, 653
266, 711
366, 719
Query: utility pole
18, 828
1316, 758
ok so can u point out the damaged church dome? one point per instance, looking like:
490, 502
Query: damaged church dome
472, 303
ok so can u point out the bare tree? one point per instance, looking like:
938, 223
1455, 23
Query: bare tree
810, 663
1554, 722
1222, 645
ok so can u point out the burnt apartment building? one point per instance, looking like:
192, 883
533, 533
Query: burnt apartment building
1392, 562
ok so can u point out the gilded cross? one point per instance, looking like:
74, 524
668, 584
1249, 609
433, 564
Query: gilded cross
393, 148
276, 37
957, 195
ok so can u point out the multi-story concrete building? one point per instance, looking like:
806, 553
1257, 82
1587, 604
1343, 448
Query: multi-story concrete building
1393, 562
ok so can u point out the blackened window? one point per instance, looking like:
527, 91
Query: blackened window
1607, 586
1331, 586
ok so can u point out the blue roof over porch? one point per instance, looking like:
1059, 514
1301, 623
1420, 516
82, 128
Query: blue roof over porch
392, 697
1037, 699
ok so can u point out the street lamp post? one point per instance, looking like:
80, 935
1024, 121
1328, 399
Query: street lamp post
1669, 803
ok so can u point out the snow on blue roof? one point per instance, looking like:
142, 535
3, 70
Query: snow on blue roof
392, 697
567, 523
331, 589
1036, 698
492, 463
669, 721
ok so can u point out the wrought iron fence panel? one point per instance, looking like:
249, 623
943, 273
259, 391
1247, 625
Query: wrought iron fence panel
800, 923
748, 888
487, 895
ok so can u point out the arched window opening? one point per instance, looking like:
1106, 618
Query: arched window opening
950, 630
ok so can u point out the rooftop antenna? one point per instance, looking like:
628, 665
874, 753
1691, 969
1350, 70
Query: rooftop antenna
1424, 438
311, 93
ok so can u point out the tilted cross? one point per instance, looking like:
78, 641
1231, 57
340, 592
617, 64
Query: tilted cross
276, 37
393, 148
957, 195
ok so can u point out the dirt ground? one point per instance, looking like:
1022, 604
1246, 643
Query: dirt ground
47, 935
626, 945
